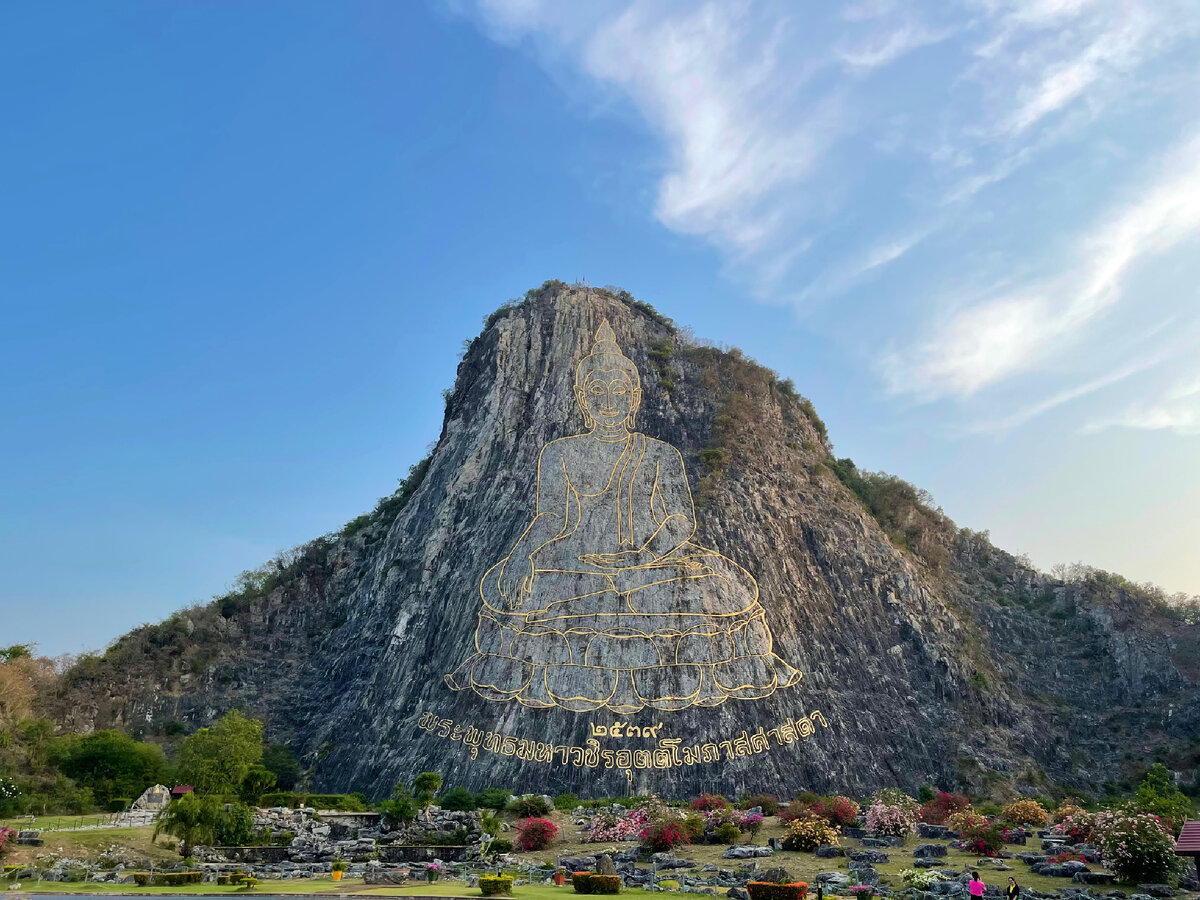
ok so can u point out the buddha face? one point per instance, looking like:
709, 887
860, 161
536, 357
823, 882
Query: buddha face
609, 398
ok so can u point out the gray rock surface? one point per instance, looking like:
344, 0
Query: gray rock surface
348, 648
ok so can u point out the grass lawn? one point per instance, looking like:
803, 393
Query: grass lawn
56, 823
313, 886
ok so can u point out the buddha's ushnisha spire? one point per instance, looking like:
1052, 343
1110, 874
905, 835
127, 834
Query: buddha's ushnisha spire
606, 341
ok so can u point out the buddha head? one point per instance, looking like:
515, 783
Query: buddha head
607, 385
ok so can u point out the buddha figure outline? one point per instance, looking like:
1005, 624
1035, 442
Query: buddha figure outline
606, 600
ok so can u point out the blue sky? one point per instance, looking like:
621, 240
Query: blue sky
240, 246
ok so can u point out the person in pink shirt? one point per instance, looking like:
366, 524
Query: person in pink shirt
975, 886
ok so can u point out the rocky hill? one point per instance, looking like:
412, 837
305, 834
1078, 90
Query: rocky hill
926, 654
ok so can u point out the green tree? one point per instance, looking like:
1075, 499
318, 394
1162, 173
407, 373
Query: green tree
111, 763
190, 818
458, 799
1158, 795
234, 826
400, 808
256, 782
280, 760
215, 760
425, 786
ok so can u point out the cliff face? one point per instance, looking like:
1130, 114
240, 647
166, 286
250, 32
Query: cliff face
930, 664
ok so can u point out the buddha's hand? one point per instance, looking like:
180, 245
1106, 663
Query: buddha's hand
626, 559
516, 581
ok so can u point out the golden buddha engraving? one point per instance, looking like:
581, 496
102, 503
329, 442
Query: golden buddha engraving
605, 600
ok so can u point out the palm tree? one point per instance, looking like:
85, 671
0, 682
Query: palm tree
192, 819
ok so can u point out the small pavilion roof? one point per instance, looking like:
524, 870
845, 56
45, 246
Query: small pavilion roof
1189, 838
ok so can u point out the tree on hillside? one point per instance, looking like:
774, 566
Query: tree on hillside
1158, 795
281, 761
258, 780
112, 764
190, 818
215, 760
16, 683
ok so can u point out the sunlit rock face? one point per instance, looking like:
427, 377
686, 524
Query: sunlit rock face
701, 584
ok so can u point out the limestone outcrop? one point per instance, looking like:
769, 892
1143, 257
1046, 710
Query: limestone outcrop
925, 653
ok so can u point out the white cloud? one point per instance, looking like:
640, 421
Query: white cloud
1001, 337
1178, 411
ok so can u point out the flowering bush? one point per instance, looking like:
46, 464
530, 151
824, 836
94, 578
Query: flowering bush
983, 838
1136, 847
6, 835
801, 806
862, 892
1064, 810
8, 795
608, 827
665, 834
1026, 812
836, 810
922, 879
769, 890
535, 834
1078, 827
751, 823
961, 821
896, 820
895, 797
709, 802
809, 834
942, 806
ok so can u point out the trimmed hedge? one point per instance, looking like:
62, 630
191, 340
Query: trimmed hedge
292, 799
767, 890
493, 885
590, 883
171, 879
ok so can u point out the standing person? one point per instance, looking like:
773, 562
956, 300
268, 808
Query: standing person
975, 886
1013, 890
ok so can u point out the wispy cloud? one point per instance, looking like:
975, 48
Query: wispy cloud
1178, 410
775, 120
1000, 337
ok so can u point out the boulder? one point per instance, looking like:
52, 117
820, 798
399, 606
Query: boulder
775, 875
737, 893
927, 862
671, 861
865, 873
605, 865
577, 863
829, 851
927, 850
380, 875
882, 840
1086, 877
870, 856
932, 831
747, 851
1157, 890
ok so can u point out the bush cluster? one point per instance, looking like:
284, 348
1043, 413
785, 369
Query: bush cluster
665, 834
897, 820
1025, 812
809, 834
528, 805
941, 806
709, 803
590, 883
1136, 847
768, 802
495, 885
535, 834
768, 890
173, 879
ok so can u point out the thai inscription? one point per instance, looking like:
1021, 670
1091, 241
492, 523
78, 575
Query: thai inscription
667, 753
